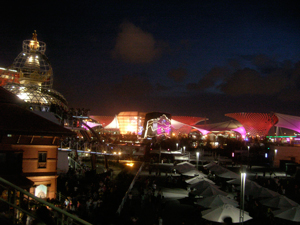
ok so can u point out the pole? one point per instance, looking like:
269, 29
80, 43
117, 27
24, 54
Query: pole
242, 205
197, 158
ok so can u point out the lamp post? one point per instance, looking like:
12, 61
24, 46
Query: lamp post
184, 149
242, 203
176, 146
197, 158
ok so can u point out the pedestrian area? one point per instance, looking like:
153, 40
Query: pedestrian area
175, 207
170, 202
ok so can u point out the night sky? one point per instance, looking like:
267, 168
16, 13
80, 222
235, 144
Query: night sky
202, 59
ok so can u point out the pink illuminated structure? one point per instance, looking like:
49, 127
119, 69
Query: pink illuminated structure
289, 122
255, 124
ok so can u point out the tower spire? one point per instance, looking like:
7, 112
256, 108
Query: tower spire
34, 44
34, 36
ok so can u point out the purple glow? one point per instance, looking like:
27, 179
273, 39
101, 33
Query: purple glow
163, 126
91, 125
241, 130
204, 132
289, 122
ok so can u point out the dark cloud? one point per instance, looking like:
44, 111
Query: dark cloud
250, 81
133, 45
234, 64
178, 74
290, 95
264, 63
216, 74
264, 76
161, 87
132, 86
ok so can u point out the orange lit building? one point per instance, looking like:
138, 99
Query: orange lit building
29, 147
131, 122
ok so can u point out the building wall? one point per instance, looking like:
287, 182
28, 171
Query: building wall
30, 158
46, 176
286, 153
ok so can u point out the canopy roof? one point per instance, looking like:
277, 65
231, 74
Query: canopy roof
189, 120
227, 125
287, 121
108, 122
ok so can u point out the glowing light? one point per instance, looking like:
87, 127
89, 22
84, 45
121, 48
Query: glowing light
232, 154
23, 96
130, 164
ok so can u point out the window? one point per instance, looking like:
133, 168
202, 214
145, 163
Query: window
42, 161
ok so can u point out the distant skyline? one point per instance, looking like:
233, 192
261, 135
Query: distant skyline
204, 58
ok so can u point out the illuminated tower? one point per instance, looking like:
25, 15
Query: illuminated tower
30, 77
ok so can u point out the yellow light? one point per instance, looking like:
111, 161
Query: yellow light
120, 153
130, 164
23, 96
115, 153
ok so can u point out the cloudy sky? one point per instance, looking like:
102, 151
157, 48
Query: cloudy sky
190, 58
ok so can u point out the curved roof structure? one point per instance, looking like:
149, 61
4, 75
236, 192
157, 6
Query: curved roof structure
255, 123
179, 127
287, 121
231, 125
227, 125
189, 120
104, 120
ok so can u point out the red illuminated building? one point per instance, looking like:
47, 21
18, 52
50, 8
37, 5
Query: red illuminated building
255, 123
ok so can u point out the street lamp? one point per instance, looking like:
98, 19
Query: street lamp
183, 149
242, 203
197, 158
176, 146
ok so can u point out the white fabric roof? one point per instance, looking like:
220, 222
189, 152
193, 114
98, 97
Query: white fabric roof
287, 121
113, 125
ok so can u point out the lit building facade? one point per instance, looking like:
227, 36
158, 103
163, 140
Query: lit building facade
131, 122
158, 125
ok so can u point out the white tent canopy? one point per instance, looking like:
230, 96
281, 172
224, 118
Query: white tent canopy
280, 201
291, 214
114, 124
289, 122
219, 213
216, 201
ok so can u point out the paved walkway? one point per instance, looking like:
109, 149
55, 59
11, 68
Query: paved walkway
177, 207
